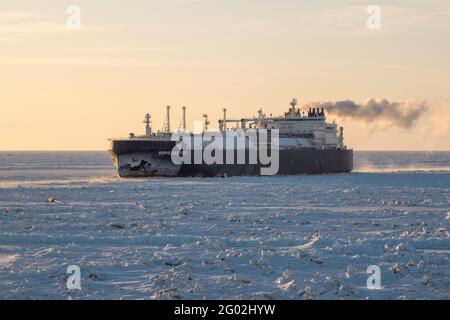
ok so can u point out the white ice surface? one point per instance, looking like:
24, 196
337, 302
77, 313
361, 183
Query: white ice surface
260, 238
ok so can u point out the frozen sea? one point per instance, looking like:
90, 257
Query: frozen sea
297, 237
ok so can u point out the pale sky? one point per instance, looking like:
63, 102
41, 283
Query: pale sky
63, 89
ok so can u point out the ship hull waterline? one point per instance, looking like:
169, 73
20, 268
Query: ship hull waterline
153, 159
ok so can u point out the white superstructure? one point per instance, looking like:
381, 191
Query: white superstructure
297, 129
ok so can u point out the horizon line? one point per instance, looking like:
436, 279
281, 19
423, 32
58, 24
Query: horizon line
105, 150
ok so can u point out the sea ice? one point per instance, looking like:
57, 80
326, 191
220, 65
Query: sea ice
304, 237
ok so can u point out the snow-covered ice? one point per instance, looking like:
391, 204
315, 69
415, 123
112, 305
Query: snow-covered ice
300, 237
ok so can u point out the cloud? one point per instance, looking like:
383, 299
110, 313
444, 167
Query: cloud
377, 111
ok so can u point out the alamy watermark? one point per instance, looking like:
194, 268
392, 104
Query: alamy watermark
374, 20
374, 280
73, 21
239, 146
74, 280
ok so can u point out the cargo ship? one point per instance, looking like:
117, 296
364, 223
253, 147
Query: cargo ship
297, 142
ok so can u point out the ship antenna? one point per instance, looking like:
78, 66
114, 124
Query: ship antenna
224, 119
206, 121
294, 102
293, 105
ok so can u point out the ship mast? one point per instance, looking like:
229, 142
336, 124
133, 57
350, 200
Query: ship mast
148, 128
223, 121
183, 120
166, 127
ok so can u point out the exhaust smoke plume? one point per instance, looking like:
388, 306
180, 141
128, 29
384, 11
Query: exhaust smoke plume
401, 114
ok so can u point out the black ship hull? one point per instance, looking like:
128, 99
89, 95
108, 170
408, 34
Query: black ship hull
147, 158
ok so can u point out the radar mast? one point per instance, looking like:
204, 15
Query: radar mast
148, 128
